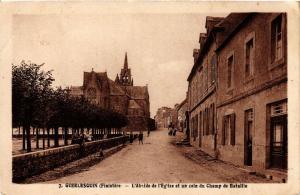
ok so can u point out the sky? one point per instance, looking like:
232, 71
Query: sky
159, 48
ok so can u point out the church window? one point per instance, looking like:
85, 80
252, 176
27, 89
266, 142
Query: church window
91, 93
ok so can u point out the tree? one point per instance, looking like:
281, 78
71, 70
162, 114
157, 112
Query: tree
30, 86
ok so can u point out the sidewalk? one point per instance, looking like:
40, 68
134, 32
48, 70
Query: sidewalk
229, 172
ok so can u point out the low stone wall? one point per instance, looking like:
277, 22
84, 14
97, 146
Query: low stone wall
25, 165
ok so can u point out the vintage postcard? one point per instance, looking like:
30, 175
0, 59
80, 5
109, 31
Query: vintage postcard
149, 97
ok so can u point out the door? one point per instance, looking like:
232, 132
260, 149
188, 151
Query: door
248, 137
279, 142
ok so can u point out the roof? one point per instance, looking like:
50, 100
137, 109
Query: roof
182, 103
207, 42
133, 105
115, 89
137, 92
100, 77
230, 26
225, 28
76, 90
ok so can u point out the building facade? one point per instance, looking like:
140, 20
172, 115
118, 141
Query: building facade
181, 119
202, 90
119, 95
163, 117
252, 93
250, 97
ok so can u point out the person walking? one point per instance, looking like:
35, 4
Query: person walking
148, 132
131, 137
141, 136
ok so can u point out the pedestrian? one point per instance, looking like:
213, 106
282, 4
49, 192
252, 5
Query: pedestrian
81, 144
148, 132
170, 132
131, 137
141, 136
174, 131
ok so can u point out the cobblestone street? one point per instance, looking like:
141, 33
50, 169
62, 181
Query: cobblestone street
160, 160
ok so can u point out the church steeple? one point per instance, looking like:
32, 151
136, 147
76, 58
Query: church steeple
125, 75
125, 62
117, 80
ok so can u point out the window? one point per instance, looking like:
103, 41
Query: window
279, 109
228, 130
196, 126
249, 58
91, 93
200, 123
205, 72
207, 121
230, 72
277, 51
211, 119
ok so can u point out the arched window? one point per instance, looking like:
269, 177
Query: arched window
91, 93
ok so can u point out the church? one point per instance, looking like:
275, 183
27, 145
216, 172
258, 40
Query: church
119, 95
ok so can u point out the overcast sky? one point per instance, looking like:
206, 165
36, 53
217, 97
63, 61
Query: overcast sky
159, 47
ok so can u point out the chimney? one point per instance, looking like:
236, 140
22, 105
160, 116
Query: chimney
211, 22
195, 54
202, 39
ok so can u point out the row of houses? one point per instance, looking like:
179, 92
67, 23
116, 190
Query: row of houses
237, 92
165, 116
172, 117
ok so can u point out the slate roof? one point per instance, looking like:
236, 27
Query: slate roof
134, 105
100, 77
137, 92
225, 28
115, 89
230, 25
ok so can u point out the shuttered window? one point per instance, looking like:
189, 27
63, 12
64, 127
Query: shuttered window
228, 129
232, 129
224, 122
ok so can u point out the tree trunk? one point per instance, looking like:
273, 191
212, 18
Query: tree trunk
23, 136
66, 135
44, 138
48, 137
37, 138
28, 139
56, 144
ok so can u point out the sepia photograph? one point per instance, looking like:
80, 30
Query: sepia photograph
152, 99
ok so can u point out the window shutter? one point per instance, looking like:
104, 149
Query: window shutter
213, 119
232, 129
223, 130
208, 121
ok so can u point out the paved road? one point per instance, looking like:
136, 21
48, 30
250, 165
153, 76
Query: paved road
157, 160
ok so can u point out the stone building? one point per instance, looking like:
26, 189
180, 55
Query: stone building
163, 117
181, 119
119, 95
202, 89
248, 52
252, 93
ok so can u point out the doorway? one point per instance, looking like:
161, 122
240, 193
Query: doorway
248, 137
279, 142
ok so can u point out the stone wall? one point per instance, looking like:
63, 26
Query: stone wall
26, 165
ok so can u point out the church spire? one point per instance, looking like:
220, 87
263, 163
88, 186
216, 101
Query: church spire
125, 62
117, 79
